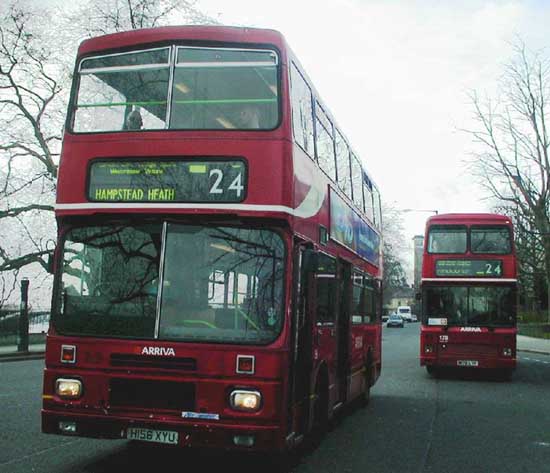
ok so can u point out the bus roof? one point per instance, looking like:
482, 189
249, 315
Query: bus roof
229, 34
467, 218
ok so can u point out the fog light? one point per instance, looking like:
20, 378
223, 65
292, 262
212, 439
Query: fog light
507, 352
248, 401
243, 440
67, 427
68, 388
428, 349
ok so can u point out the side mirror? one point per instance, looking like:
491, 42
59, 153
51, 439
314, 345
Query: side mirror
310, 261
418, 296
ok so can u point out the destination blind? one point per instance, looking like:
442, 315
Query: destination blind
469, 268
163, 180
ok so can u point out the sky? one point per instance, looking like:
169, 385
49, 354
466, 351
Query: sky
396, 76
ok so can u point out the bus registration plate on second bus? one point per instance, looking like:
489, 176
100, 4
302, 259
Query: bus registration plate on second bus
156, 436
467, 363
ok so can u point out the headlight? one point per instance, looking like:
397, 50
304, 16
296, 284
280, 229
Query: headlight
68, 388
507, 352
247, 401
428, 349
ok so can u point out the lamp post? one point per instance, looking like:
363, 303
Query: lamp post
23, 339
435, 212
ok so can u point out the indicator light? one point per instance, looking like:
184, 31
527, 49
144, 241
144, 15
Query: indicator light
245, 364
68, 354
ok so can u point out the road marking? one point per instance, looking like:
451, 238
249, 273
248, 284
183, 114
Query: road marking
536, 360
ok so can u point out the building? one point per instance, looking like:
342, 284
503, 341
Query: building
401, 296
418, 249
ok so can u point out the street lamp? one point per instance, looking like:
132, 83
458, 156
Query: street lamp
420, 210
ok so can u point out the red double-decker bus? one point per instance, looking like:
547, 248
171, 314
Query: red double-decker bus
469, 293
218, 267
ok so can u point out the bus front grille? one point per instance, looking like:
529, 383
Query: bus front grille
158, 362
150, 393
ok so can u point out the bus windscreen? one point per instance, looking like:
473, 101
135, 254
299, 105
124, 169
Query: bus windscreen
470, 305
218, 284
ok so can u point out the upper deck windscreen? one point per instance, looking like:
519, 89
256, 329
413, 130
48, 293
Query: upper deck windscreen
447, 239
490, 240
187, 88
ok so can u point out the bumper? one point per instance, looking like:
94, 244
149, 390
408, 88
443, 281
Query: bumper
216, 435
482, 362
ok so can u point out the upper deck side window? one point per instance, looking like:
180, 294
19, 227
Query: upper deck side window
302, 111
189, 88
490, 240
368, 196
343, 164
357, 182
325, 142
377, 206
447, 239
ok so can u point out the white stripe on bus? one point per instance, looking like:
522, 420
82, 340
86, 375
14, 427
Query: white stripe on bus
459, 279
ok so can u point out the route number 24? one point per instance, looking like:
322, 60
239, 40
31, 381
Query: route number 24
492, 269
235, 186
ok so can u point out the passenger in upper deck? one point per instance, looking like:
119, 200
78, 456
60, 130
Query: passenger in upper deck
134, 121
249, 117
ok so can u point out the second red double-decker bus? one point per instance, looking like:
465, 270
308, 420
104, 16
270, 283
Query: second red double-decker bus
469, 293
218, 268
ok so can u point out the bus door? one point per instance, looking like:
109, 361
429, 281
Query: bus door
326, 339
303, 326
343, 332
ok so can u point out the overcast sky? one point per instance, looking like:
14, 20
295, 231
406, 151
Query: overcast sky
396, 74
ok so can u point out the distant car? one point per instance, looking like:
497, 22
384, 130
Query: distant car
395, 320
385, 317
405, 312
414, 318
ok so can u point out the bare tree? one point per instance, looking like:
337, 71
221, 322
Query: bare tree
30, 116
513, 159
34, 85
394, 250
98, 17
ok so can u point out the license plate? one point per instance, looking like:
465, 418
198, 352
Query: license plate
156, 436
467, 363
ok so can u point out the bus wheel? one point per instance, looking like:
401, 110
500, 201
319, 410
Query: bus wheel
320, 414
432, 370
505, 374
365, 395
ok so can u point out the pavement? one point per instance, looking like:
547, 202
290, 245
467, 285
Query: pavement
10, 353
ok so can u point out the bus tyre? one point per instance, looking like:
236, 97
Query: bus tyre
432, 370
365, 395
505, 374
320, 414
